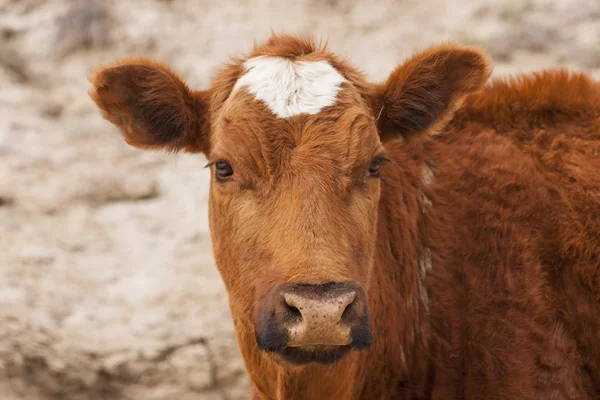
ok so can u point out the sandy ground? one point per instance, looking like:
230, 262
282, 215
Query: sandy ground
108, 288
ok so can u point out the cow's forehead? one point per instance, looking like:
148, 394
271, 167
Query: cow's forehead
291, 87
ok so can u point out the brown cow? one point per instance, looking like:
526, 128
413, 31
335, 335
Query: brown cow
419, 238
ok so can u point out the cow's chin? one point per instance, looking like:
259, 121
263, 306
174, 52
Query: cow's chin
319, 354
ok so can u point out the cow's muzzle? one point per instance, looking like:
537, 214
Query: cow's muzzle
320, 323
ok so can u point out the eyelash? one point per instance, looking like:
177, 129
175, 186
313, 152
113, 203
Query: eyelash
380, 160
225, 167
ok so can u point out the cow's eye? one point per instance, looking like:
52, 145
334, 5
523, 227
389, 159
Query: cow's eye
223, 170
374, 167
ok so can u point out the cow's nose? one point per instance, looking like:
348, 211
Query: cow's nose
321, 315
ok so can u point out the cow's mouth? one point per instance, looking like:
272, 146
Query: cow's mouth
278, 345
314, 354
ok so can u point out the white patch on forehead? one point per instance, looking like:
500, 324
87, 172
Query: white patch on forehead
291, 87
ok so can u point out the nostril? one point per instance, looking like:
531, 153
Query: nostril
349, 313
291, 307
293, 311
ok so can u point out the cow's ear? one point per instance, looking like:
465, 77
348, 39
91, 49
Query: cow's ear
422, 94
152, 106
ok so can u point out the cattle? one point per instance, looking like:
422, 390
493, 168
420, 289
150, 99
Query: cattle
431, 236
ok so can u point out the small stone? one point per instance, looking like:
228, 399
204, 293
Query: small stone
37, 254
194, 362
198, 380
52, 110
6, 201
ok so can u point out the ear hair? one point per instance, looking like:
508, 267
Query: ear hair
152, 106
422, 94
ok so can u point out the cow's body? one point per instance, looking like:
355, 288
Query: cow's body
502, 212
480, 261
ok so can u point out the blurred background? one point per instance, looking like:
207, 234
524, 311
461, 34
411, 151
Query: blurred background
108, 288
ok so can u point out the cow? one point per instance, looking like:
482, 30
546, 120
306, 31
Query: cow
431, 236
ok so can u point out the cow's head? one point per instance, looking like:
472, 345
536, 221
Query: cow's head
295, 143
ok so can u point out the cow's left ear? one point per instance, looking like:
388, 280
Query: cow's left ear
152, 106
422, 94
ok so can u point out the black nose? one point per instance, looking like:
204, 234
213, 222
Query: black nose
310, 319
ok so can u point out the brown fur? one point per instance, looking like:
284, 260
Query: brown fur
478, 248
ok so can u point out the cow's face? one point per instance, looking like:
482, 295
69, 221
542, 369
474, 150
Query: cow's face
296, 160
294, 142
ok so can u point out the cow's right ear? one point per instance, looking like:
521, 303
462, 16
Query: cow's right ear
152, 106
422, 94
